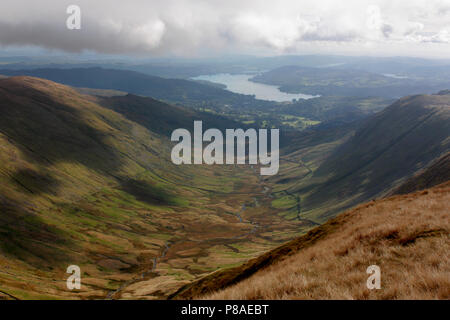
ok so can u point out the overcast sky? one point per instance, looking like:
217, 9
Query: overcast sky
192, 28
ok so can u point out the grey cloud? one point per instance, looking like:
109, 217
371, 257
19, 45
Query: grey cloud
186, 27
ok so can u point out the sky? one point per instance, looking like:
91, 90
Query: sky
190, 28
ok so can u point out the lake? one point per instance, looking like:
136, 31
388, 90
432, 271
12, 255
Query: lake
239, 83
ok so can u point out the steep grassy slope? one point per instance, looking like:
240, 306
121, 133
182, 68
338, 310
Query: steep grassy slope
385, 149
435, 174
407, 236
46, 124
83, 184
72, 176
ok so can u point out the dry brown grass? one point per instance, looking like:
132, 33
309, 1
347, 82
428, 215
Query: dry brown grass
407, 236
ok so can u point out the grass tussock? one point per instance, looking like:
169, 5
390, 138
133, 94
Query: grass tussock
407, 236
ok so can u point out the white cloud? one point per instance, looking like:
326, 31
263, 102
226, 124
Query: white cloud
187, 27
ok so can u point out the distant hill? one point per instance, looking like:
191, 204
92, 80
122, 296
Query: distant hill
341, 81
101, 92
407, 236
161, 117
173, 90
335, 109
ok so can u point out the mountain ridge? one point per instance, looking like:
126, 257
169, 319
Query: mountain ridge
387, 147
182, 91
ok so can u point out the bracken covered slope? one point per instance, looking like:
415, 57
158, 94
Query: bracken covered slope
407, 236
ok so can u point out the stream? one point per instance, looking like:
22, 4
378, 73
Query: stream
166, 247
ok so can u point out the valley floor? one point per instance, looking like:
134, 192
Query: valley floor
407, 236
176, 244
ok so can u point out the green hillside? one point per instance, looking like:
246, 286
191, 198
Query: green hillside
83, 184
88, 180
355, 165
161, 117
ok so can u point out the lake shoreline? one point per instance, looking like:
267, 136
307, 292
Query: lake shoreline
242, 84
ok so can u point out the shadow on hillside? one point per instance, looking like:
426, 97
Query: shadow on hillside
25, 236
47, 131
35, 182
163, 118
146, 192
